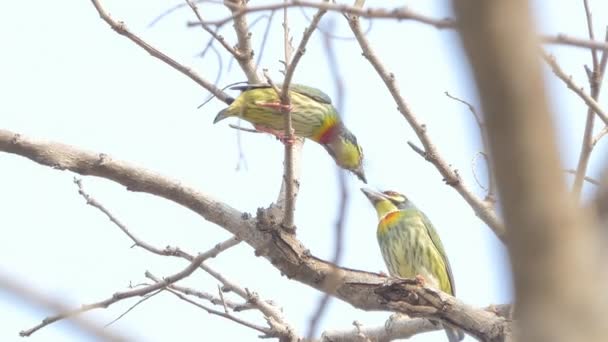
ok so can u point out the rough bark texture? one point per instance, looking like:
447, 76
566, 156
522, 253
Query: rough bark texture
364, 290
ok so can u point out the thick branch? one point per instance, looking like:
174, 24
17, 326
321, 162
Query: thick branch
367, 291
393, 329
548, 235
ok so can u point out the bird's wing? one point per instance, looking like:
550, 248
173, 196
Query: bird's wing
430, 229
311, 92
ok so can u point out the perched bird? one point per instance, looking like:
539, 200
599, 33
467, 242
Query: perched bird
410, 245
312, 115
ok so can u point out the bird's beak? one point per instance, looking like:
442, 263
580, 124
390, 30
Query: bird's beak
359, 172
221, 116
373, 195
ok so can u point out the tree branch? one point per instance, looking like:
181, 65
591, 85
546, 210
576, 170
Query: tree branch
121, 29
364, 290
589, 101
243, 46
482, 209
548, 234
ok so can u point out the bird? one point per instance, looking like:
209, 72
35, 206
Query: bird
313, 117
410, 246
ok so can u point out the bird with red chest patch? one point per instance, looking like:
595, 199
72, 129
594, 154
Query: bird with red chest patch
410, 245
312, 114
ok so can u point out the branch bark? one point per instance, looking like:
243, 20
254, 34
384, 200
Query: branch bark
364, 290
549, 236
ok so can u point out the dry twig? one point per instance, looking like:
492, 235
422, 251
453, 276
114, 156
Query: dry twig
430, 153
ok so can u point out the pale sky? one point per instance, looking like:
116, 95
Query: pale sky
66, 76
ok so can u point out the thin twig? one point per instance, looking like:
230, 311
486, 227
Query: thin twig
267, 309
118, 296
491, 189
591, 103
290, 67
288, 217
145, 298
563, 39
121, 29
586, 178
241, 28
430, 153
401, 13
212, 311
213, 33
600, 135
589, 16
220, 247
35, 298
595, 78
211, 298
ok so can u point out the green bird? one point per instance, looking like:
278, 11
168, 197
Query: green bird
410, 245
312, 114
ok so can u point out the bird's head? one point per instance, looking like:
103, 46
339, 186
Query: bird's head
231, 110
347, 153
387, 201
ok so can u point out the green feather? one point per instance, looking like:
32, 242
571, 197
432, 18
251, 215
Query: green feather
311, 92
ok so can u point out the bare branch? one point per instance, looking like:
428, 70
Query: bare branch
595, 78
395, 328
121, 29
401, 13
586, 178
213, 33
118, 296
482, 209
364, 290
563, 39
244, 41
290, 67
227, 315
589, 101
37, 299
491, 196
588, 15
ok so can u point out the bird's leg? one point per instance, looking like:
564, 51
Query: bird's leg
420, 280
275, 105
279, 134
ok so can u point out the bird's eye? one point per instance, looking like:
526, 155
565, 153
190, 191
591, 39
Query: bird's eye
395, 196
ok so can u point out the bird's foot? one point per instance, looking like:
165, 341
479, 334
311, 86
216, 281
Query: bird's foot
276, 106
280, 135
420, 280
287, 139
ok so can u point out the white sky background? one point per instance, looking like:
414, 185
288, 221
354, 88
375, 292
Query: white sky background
66, 76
